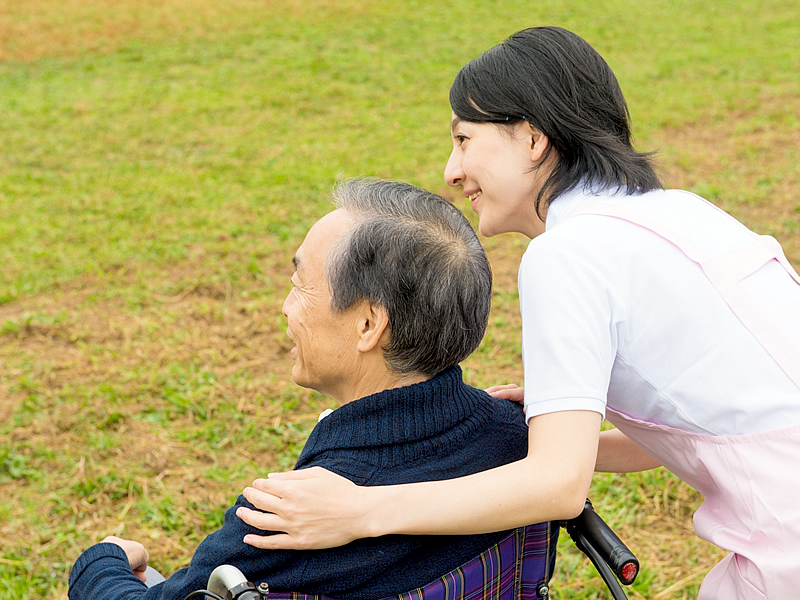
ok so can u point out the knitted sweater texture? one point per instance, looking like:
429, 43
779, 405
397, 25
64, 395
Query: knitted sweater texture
438, 429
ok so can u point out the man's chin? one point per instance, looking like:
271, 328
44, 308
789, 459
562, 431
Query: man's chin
297, 377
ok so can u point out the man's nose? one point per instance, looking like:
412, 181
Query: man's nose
285, 307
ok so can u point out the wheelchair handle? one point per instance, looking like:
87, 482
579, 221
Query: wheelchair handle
588, 529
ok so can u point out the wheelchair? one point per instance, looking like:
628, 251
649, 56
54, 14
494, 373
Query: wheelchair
518, 567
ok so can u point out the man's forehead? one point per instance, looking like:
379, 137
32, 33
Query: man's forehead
321, 238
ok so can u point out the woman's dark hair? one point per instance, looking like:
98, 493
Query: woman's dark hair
560, 84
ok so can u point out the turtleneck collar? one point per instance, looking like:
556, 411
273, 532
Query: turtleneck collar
400, 418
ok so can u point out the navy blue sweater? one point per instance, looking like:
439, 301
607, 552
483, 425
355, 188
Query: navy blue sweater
438, 429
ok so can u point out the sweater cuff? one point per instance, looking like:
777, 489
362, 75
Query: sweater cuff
101, 551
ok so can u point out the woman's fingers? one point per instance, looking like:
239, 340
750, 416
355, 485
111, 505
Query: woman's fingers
260, 520
509, 391
310, 508
499, 388
270, 542
261, 499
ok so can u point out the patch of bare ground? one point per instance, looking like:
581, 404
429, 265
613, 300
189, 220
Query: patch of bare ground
116, 354
747, 162
36, 29
662, 537
118, 362
71, 337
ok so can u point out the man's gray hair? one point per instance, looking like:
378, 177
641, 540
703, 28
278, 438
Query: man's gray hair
413, 253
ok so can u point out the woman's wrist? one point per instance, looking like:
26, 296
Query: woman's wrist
376, 517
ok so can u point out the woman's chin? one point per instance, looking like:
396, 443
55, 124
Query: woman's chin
486, 229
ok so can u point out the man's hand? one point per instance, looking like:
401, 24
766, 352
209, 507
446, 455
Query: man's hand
509, 391
137, 555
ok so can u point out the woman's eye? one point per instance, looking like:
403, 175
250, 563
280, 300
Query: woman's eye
460, 139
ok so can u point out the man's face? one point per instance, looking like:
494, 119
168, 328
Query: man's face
325, 342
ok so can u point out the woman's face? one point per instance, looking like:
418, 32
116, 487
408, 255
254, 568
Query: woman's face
496, 168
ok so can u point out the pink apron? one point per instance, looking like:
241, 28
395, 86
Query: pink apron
750, 483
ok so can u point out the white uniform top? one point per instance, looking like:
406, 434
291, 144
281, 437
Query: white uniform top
612, 312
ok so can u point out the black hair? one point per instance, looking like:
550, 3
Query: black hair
413, 253
561, 85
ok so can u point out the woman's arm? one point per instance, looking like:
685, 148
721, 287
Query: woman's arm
617, 453
317, 509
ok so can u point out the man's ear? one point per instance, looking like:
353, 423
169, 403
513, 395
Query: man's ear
540, 144
373, 323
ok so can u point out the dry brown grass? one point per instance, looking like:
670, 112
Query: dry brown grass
101, 340
760, 158
33, 29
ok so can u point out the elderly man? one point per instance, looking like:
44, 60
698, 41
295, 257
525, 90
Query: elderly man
390, 292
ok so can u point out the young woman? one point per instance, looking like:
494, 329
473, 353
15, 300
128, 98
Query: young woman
649, 307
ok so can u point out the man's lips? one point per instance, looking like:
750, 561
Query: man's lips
293, 351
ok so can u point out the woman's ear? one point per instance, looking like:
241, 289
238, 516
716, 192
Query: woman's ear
540, 144
373, 323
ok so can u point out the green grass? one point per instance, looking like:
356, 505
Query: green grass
207, 139
157, 172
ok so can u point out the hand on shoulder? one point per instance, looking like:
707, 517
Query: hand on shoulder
509, 391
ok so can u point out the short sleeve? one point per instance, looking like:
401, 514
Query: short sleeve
570, 316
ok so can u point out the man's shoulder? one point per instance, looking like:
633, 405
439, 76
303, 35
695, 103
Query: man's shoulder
505, 412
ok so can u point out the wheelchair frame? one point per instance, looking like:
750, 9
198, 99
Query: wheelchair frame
611, 557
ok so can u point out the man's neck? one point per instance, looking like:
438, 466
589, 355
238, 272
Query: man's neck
374, 381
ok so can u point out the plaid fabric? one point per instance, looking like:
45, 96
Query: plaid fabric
512, 569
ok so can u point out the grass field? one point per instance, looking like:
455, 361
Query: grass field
161, 160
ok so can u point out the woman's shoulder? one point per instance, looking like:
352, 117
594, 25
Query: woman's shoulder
597, 227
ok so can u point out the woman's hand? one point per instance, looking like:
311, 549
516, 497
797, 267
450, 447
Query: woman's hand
316, 509
137, 555
509, 391
313, 508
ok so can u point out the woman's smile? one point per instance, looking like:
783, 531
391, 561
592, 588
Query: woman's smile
495, 167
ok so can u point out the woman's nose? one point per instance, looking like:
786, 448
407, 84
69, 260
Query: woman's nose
453, 173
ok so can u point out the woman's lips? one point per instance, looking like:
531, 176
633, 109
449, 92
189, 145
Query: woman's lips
474, 197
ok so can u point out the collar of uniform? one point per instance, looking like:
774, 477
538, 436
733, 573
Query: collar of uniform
573, 199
